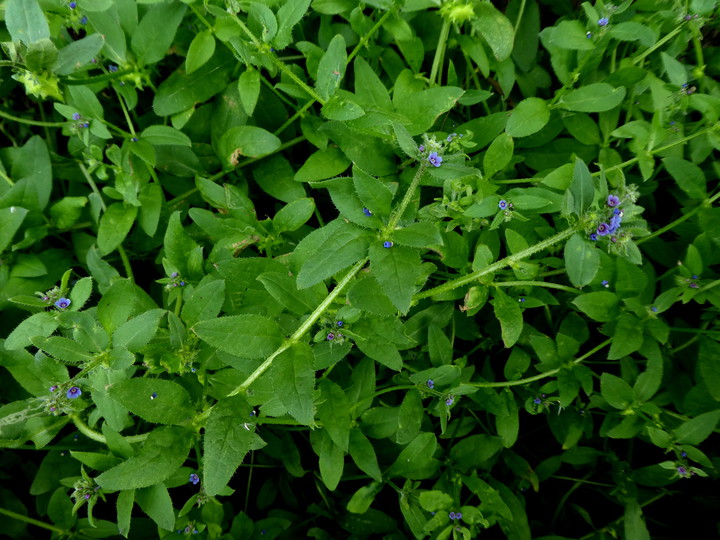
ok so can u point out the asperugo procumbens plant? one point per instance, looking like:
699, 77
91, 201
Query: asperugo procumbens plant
405, 268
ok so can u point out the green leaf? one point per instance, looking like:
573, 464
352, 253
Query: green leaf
635, 528
420, 235
200, 51
369, 89
396, 269
289, 14
249, 89
116, 305
137, 332
347, 245
64, 349
40, 324
633, 31
10, 220
283, 288
508, 313
364, 497
228, 438
495, 28
435, 500
599, 306
163, 452
676, 71
26, 21
697, 429
206, 302
293, 379
342, 106
416, 459
253, 336
528, 117
246, 141
331, 68
367, 296
581, 188
156, 503
363, 454
125, 502
332, 459
156, 31
35, 373
688, 176
616, 391
164, 135
410, 418
334, 413
709, 366
567, 35
293, 215
78, 54
405, 140
374, 194
115, 224
422, 108
596, 97
627, 338
471, 452
498, 155
582, 260
156, 400
323, 164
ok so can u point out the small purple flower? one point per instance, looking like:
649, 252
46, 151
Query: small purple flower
387, 244
458, 515
430, 384
683, 454
153, 395
72, 5
112, 68
521, 299
85, 125
603, 21
603, 229
694, 285
688, 17
87, 496
83, 20
605, 283
76, 116
451, 515
449, 401
174, 275
63, 303
683, 472
421, 148
73, 392
53, 387
134, 139
594, 237
615, 222
613, 201
182, 283
537, 401
434, 159
695, 276
503, 204
654, 309
451, 137
330, 336
340, 324
194, 479
367, 212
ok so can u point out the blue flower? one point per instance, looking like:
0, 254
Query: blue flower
537, 401
421, 148
603, 229
73, 392
340, 324
153, 395
654, 309
194, 479
112, 68
683, 454
182, 283
451, 137
605, 283
615, 222
588, 35
430, 384
613, 201
503, 204
451, 515
387, 244
330, 336
53, 387
435, 159
367, 212
594, 237
683, 472
83, 20
603, 21
63, 303
85, 125
76, 116
72, 5
449, 401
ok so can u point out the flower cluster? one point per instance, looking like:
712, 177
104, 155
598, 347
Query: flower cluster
174, 281
455, 515
611, 225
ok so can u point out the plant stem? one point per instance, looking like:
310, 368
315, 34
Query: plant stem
707, 204
494, 267
400, 210
639, 58
99, 437
94, 187
544, 374
366, 37
548, 284
9, 116
304, 327
32, 521
520, 15
126, 263
439, 52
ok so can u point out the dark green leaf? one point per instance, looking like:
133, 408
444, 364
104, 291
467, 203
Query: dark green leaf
582, 260
528, 117
253, 336
156, 400
509, 314
293, 380
396, 269
200, 51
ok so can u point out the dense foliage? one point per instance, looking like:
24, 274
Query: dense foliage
398, 268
